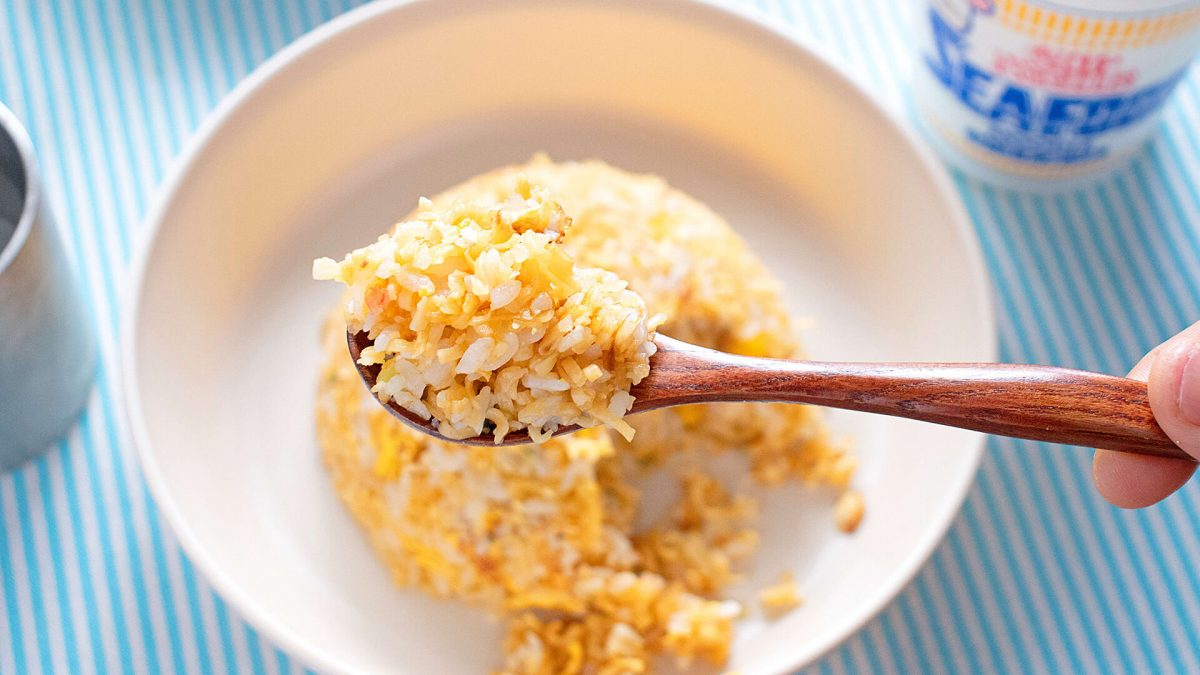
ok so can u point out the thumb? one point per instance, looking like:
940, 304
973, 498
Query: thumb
1174, 388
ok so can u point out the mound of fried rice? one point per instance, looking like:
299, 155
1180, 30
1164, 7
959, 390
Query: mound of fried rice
544, 534
480, 320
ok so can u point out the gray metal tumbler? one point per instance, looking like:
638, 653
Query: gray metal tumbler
47, 351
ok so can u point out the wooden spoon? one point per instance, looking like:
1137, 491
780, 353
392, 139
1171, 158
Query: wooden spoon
1040, 403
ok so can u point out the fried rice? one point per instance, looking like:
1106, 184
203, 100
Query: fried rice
544, 535
482, 323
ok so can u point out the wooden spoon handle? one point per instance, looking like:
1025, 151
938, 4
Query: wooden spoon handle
1040, 403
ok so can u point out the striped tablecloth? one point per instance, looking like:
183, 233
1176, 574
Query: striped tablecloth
1037, 574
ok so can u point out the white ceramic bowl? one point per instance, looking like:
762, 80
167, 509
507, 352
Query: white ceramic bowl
333, 139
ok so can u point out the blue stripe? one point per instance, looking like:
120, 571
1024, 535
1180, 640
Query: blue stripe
1132, 243
54, 544
197, 36
243, 42
868, 645
93, 469
101, 110
199, 635
972, 520
941, 638
306, 20
1075, 297
889, 635
164, 590
33, 576
139, 584
90, 602
16, 638
54, 539
1190, 241
253, 650
264, 32
967, 598
1097, 576
226, 633
1003, 461
1067, 472
165, 594
282, 663
214, 20
106, 33
1026, 351
196, 99
1147, 229
1109, 563
1056, 254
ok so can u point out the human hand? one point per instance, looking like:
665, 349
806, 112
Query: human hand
1172, 371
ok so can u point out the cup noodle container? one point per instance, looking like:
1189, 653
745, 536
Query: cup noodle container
1030, 93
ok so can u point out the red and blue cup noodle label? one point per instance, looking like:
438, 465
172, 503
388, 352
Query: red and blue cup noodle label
1032, 89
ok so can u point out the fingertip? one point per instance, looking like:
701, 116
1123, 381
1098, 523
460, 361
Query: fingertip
1174, 390
1136, 481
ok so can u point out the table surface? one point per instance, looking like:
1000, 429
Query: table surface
1036, 574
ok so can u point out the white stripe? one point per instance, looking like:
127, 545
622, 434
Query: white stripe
1072, 476
183, 616
241, 643
132, 478
150, 133
1173, 223
98, 567
1066, 474
906, 660
1090, 554
104, 136
1114, 232
869, 42
231, 42
137, 60
37, 109
8, 656
39, 536
1142, 225
72, 557
292, 20
925, 641
181, 78
993, 590
274, 29
103, 450
1045, 549
126, 139
1101, 336
886, 657
1065, 276
166, 99
942, 619
20, 571
317, 11
1094, 248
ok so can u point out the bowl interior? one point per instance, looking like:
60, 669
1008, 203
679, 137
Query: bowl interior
338, 138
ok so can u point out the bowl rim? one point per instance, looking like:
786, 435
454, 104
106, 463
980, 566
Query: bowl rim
750, 19
31, 196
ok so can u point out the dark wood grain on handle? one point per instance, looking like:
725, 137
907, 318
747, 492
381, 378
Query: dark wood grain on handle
1040, 403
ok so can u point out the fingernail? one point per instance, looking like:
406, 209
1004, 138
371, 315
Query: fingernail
1189, 387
